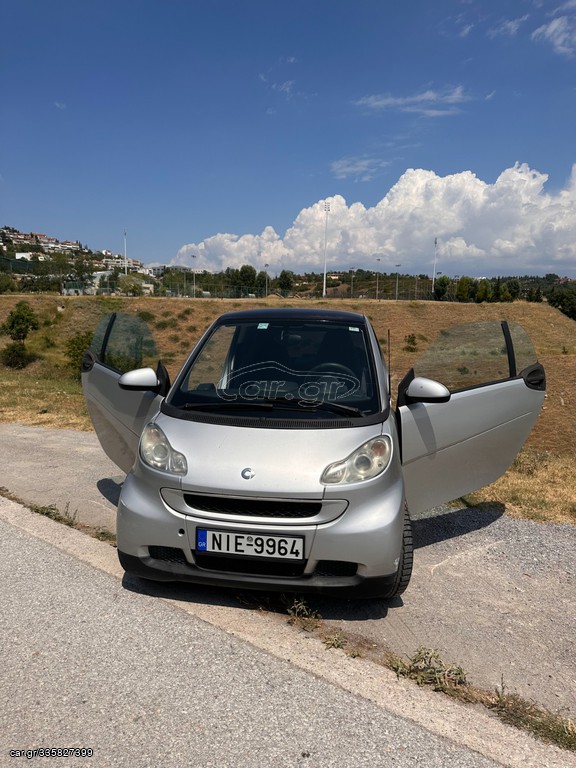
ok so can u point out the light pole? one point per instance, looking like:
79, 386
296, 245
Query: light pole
326, 211
193, 277
266, 273
397, 273
435, 257
377, 275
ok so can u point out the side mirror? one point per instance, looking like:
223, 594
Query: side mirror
422, 390
141, 379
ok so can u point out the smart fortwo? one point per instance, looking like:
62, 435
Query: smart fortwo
276, 460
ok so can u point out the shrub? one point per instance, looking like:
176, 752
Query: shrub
410, 343
163, 324
15, 355
21, 320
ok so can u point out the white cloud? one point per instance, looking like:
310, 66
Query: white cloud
430, 103
359, 168
560, 33
508, 27
512, 226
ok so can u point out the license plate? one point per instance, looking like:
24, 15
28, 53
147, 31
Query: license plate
250, 544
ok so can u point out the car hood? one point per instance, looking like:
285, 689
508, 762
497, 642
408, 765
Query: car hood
268, 462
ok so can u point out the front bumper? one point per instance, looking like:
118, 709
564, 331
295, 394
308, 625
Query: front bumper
351, 550
339, 586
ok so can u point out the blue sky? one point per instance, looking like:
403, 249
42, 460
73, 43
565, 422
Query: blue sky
219, 128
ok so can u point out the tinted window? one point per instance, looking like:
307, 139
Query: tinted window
469, 355
130, 343
289, 364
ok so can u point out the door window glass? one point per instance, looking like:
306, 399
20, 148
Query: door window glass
470, 355
130, 344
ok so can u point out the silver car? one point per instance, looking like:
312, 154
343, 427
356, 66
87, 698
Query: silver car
276, 460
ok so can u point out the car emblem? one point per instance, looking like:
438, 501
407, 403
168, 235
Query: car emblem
247, 473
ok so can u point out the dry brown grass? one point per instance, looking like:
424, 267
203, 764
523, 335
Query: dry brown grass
44, 395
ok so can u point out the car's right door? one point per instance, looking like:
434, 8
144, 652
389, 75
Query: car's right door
497, 388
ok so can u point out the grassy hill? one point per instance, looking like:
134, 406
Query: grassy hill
44, 393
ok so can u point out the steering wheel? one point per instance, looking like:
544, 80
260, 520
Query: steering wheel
334, 368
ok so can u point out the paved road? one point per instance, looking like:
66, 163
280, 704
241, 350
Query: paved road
496, 595
89, 661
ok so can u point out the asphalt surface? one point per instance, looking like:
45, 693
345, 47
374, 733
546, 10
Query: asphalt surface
90, 662
490, 593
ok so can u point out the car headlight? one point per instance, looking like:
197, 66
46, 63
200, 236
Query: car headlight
368, 461
156, 451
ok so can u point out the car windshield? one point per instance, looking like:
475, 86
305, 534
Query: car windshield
290, 368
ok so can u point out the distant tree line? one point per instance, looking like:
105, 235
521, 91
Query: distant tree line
56, 269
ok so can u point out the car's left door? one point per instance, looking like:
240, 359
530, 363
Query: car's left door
121, 343
456, 441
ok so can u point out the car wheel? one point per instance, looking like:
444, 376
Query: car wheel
406, 559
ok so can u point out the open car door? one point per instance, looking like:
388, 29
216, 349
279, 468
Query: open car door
121, 343
496, 390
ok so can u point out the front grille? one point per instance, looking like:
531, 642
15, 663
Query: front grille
168, 554
253, 507
335, 568
249, 567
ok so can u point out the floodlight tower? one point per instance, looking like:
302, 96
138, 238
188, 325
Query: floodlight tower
326, 211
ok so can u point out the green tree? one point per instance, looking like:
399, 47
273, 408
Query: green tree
441, 286
505, 294
513, 287
261, 281
565, 300
286, 280
21, 320
484, 292
130, 285
83, 270
59, 266
7, 283
497, 290
463, 290
247, 278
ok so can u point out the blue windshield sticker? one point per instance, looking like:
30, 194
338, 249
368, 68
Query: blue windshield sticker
262, 326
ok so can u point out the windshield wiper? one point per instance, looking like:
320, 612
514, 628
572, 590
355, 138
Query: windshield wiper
306, 405
225, 404
275, 403
340, 408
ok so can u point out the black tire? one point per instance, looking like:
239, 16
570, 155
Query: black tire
406, 559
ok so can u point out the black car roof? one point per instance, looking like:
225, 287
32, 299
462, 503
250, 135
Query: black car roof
291, 314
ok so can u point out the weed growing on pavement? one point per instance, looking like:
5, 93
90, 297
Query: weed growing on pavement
335, 640
426, 667
65, 518
302, 616
103, 534
527, 716
54, 514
